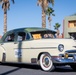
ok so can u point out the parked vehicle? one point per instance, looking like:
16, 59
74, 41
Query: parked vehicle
37, 46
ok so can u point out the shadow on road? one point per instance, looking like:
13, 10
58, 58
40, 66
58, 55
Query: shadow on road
27, 66
10, 71
64, 69
35, 67
18, 67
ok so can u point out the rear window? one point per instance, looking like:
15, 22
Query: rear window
42, 34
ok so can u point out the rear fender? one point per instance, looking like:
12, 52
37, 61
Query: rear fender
2, 51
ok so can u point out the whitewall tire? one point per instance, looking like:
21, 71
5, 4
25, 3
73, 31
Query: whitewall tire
46, 62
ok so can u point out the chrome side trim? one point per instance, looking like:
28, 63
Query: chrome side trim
39, 48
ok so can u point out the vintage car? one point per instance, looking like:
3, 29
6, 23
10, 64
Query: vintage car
37, 46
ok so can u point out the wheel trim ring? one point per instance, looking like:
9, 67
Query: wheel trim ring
43, 62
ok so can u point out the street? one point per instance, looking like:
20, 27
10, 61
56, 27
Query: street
16, 69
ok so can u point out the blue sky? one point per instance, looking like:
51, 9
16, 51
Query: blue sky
25, 13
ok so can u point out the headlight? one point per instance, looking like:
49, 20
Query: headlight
61, 47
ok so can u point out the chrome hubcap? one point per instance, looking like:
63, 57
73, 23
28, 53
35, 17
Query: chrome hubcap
46, 62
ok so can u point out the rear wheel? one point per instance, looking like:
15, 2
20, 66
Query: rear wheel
46, 62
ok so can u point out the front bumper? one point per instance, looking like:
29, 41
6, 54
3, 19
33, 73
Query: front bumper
59, 60
67, 58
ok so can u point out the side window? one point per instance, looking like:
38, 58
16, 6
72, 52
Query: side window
27, 37
21, 36
9, 38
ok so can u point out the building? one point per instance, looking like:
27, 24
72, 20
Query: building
0, 36
69, 27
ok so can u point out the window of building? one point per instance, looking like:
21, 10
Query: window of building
72, 24
75, 23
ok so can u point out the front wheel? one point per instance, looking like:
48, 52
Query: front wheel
46, 62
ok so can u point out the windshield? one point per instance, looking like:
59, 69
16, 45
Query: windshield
42, 34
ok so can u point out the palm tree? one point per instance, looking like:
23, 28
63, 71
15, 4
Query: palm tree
44, 5
56, 27
49, 12
5, 6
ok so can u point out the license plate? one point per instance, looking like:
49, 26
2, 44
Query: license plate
75, 57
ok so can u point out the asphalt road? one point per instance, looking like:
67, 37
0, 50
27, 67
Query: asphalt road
14, 69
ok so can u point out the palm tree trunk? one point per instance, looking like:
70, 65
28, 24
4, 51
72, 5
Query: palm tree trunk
58, 32
5, 22
43, 15
49, 22
43, 19
49, 25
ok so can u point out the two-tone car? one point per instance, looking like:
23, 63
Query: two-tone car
39, 46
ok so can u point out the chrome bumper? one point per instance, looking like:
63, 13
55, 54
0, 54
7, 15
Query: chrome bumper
59, 60
67, 58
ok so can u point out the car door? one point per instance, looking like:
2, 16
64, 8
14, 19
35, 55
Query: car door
9, 46
23, 46
21, 36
